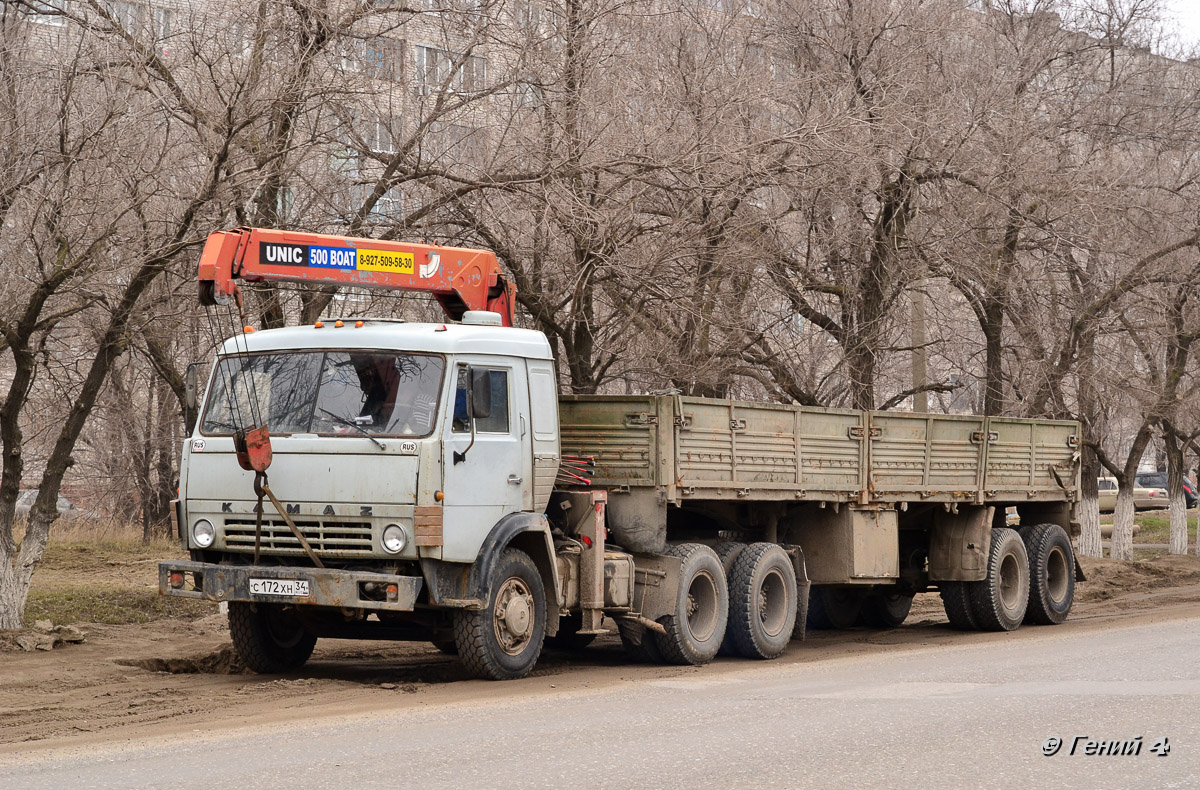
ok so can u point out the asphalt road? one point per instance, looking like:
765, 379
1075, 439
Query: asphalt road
960, 716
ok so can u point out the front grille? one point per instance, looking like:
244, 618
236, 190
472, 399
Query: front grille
332, 538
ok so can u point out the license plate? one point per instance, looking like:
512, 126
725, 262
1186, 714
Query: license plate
295, 588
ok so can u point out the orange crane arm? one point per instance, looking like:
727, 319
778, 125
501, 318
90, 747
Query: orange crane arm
460, 279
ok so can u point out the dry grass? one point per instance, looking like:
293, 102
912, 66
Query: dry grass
101, 572
85, 530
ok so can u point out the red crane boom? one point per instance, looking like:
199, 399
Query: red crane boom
460, 279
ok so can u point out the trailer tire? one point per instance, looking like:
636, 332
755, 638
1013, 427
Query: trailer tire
833, 608
727, 552
956, 600
268, 640
503, 640
885, 608
639, 643
568, 637
762, 601
999, 602
696, 628
1051, 574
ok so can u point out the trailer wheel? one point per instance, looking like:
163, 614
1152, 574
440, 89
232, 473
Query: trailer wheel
833, 608
885, 608
267, 639
762, 601
503, 640
956, 600
696, 628
568, 636
998, 603
639, 643
727, 552
1051, 574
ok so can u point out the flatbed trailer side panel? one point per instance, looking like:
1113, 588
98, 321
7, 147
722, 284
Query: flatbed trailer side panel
720, 449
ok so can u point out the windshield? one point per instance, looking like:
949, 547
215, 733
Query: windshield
326, 392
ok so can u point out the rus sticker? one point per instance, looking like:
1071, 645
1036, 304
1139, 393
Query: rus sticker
385, 261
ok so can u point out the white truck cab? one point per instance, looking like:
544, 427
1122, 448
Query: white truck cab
368, 423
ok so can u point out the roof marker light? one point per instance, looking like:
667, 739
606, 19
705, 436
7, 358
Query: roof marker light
358, 324
338, 323
318, 325
247, 329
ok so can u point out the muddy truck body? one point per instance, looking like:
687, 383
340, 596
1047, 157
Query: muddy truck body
386, 480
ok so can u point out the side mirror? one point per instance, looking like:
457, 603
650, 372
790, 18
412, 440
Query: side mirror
481, 393
190, 388
191, 397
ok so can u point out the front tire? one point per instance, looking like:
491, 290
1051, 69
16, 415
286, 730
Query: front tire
762, 601
267, 639
503, 640
998, 603
1051, 574
696, 628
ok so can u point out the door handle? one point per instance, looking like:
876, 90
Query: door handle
515, 480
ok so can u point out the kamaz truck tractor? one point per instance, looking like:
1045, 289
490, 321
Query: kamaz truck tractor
374, 479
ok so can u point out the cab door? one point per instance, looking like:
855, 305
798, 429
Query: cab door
484, 480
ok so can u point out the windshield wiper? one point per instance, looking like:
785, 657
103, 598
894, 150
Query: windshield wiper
354, 425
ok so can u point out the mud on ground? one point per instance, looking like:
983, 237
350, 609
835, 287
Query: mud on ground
176, 675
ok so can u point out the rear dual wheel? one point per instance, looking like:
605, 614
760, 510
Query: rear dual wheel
833, 608
762, 601
885, 607
695, 629
998, 603
1030, 578
1051, 574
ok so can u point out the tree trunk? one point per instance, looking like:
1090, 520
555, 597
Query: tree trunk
1122, 534
993, 334
1089, 518
1174, 453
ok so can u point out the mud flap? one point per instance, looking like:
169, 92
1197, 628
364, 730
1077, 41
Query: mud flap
803, 588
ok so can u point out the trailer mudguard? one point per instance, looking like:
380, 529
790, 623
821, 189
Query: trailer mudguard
457, 585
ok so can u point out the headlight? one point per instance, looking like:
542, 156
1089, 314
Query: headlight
394, 539
203, 533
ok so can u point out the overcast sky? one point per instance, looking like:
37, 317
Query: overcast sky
1188, 14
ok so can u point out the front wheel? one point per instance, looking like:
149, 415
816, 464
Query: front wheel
503, 640
268, 639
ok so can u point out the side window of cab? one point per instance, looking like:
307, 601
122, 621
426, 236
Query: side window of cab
498, 420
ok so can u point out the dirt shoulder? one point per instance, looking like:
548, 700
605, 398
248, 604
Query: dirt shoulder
178, 675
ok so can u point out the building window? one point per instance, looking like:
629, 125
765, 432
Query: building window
50, 12
437, 66
130, 16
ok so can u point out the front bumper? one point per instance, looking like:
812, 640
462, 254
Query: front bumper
326, 587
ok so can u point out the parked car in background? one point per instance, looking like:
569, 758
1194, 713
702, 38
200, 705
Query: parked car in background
1159, 480
66, 510
1144, 498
